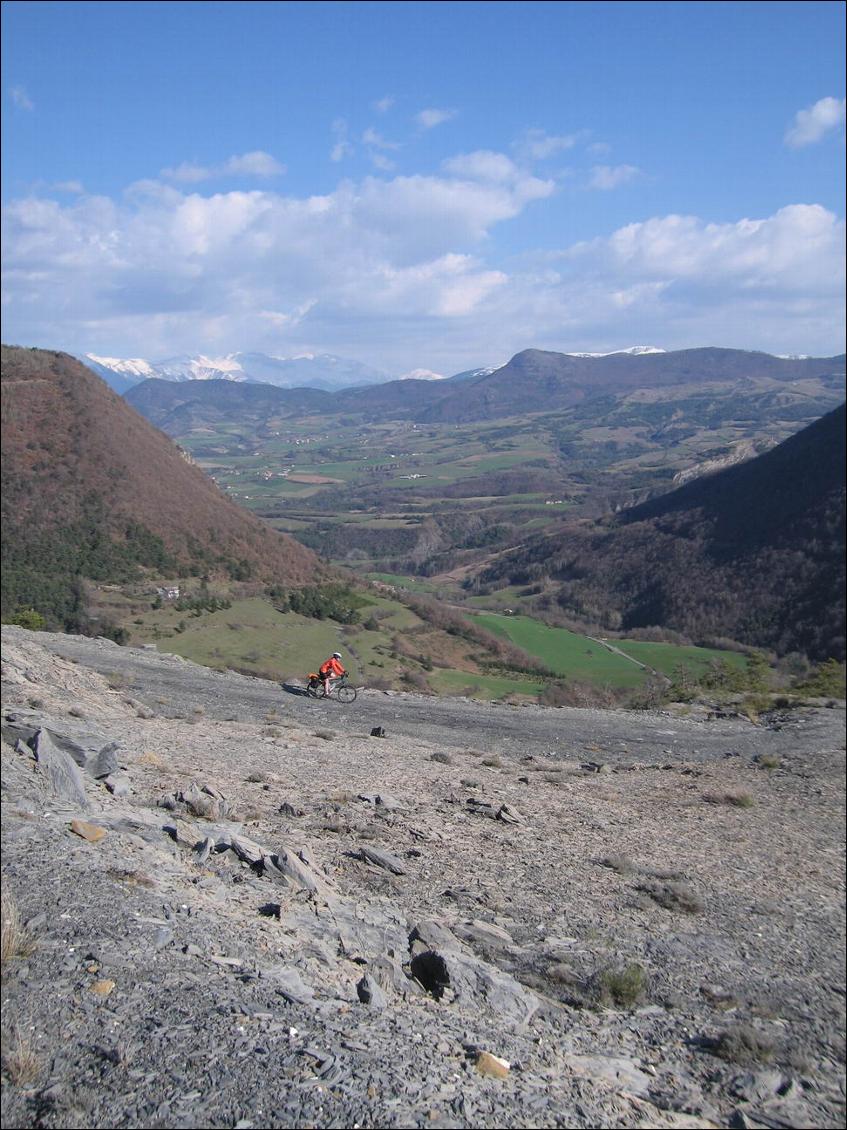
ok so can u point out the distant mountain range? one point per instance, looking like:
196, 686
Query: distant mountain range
309, 370
92, 490
306, 370
708, 387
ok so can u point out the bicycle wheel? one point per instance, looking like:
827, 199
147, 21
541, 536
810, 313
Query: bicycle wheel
346, 694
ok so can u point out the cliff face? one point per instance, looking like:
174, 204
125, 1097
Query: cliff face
746, 449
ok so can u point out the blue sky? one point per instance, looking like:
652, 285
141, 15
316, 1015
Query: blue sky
422, 186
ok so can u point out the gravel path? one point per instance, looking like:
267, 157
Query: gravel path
174, 687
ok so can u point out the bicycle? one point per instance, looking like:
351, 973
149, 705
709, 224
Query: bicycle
340, 689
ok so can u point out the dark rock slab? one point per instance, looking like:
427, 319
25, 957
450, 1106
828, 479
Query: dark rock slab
61, 769
447, 970
382, 859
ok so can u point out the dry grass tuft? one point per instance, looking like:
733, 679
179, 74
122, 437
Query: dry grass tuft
16, 941
734, 800
20, 1063
673, 896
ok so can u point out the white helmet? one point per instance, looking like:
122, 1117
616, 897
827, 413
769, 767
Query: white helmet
336, 655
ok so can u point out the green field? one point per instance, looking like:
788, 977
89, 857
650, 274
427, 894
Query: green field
253, 636
578, 657
491, 687
665, 657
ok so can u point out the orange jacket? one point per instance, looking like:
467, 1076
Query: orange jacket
331, 667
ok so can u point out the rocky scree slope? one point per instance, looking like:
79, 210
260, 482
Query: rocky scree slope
284, 920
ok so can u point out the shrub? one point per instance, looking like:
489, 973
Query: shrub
673, 896
768, 761
30, 619
742, 1045
622, 987
734, 800
826, 681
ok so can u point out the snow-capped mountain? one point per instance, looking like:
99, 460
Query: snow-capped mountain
306, 370
633, 351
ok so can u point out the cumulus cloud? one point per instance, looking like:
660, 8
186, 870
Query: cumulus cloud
809, 126
383, 105
484, 165
256, 164
163, 261
20, 98
428, 119
606, 177
399, 267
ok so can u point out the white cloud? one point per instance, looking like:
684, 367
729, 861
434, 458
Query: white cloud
257, 164
75, 187
254, 164
809, 126
538, 145
20, 98
483, 164
606, 177
372, 138
343, 147
402, 269
340, 150
168, 265
428, 119
384, 104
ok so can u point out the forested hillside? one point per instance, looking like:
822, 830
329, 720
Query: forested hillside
754, 553
92, 491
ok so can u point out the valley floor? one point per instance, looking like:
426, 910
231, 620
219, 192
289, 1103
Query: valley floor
641, 914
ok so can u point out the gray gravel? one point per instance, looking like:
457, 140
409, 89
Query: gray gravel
174, 687
282, 921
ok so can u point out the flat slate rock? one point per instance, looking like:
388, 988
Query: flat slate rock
382, 859
62, 771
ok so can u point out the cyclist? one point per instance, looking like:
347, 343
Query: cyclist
331, 670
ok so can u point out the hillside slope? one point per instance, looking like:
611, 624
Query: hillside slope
755, 553
90, 488
177, 407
